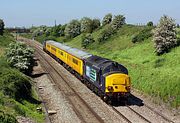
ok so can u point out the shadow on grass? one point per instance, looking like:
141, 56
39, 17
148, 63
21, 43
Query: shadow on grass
33, 100
132, 100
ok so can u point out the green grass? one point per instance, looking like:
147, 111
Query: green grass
6, 39
157, 76
26, 107
9, 105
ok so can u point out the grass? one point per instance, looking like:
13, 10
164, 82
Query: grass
157, 76
9, 105
6, 39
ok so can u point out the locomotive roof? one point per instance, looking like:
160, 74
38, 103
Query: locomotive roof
102, 63
74, 51
98, 61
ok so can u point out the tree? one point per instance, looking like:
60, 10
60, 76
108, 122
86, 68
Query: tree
56, 30
165, 35
20, 56
87, 39
177, 25
1, 27
106, 34
107, 19
73, 29
118, 21
96, 24
86, 25
150, 23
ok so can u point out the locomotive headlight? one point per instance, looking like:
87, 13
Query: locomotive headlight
128, 88
110, 88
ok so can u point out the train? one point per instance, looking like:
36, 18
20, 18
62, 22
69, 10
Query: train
107, 78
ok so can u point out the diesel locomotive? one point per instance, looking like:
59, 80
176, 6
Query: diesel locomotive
107, 78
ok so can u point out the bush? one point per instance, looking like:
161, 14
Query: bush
118, 21
73, 29
15, 85
95, 24
106, 34
1, 27
86, 25
6, 118
165, 35
55, 31
144, 34
150, 23
87, 40
107, 19
20, 56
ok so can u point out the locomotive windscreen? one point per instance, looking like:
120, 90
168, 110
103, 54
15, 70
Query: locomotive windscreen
115, 67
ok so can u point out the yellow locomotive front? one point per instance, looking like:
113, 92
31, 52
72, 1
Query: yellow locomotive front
117, 85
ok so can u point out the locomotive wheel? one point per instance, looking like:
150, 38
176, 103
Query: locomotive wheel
105, 98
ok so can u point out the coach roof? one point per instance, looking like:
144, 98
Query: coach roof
74, 51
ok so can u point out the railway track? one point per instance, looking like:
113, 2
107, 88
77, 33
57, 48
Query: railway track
80, 107
159, 114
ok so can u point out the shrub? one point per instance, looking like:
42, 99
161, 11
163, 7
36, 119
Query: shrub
150, 23
1, 27
144, 34
86, 25
55, 31
73, 29
95, 24
165, 35
15, 84
106, 34
7, 118
107, 19
20, 56
87, 40
118, 21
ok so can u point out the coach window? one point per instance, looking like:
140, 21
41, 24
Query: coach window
75, 61
62, 53
53, 48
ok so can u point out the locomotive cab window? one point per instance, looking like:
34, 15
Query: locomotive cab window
115, 67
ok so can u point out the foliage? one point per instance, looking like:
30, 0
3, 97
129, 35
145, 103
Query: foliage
6, 39
14, 84
165, 35
106, 34
150, 23
118, 21
107, 19
73, 29
177, 25
95, 24
1, 27
87, 39
20, 56
57, 31
144, 34
38, 31
62, 29
6, 118
86, 25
